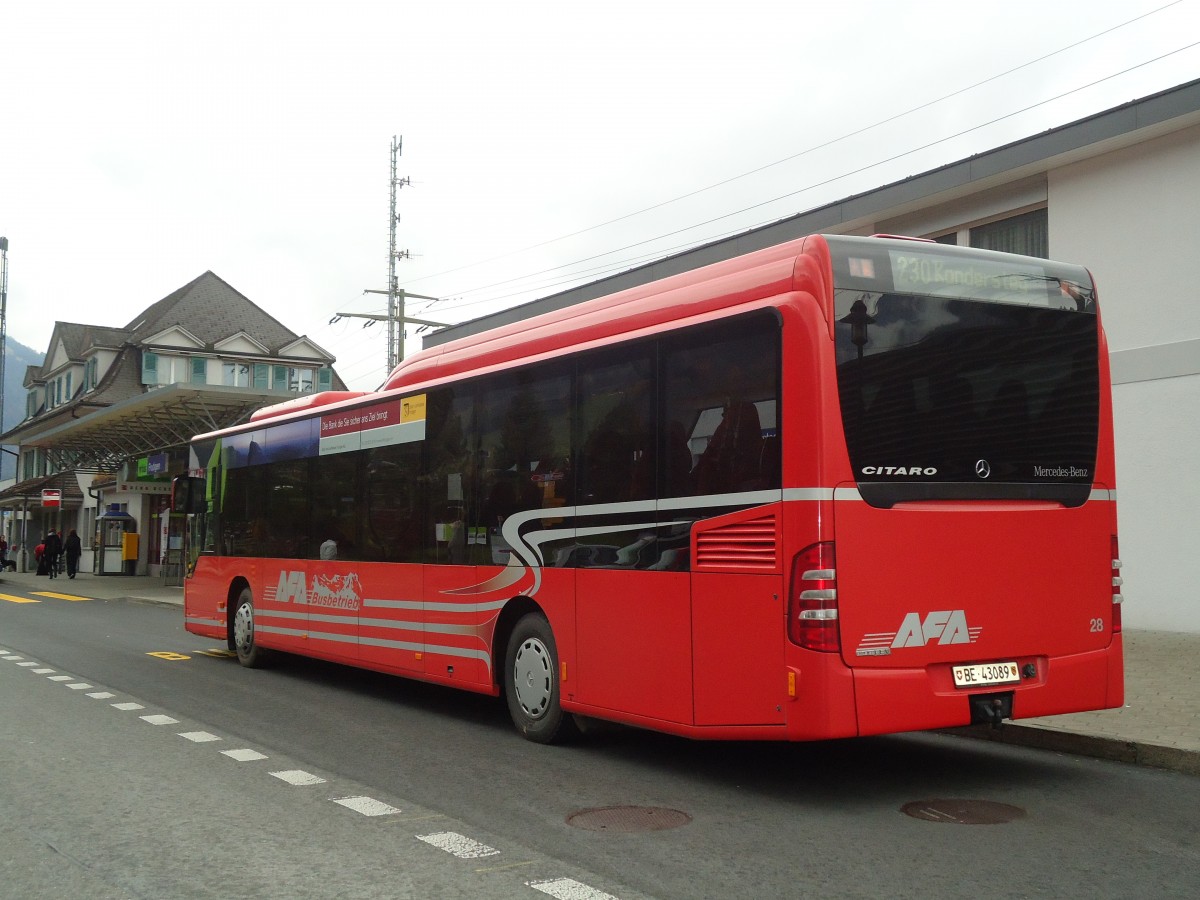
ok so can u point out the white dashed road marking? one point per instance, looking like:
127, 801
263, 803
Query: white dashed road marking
159, 720
569, 889
198, 737
244, 755
451, 842
298, 777
367, 806
461, 846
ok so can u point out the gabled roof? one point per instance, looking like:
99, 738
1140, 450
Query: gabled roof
77, 341
212, 310
120, 418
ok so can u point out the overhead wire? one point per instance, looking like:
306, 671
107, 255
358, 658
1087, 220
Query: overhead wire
459, 302
800, 154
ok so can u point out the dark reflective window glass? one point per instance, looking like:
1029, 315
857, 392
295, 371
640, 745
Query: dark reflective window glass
393, 509
450, 476
240, 511
524, 453
616, 425
720, 397
936, 389
334, 512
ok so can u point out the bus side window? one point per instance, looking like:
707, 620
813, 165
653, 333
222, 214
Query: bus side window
730, 461
616, 453
721, 389
449, 473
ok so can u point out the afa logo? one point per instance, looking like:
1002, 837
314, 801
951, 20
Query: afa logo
948, 626
943, 626
336, 591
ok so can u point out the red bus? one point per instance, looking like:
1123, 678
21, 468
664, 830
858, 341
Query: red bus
841, 486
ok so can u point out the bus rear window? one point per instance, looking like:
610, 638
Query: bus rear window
948, 398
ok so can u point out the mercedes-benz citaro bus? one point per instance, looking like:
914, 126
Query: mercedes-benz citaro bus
841, 486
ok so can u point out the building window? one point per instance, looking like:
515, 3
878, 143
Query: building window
1027, 234
235, 374
90, 380
199, 370
300, 380
149, 367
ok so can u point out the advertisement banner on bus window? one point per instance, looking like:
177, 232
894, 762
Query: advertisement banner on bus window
383, 424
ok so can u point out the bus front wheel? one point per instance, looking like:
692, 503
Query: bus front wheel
531, 682
249, 654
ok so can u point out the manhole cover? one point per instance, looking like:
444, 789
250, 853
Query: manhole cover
963, 812
628, 819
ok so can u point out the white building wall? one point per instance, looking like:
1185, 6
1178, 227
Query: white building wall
1130, 217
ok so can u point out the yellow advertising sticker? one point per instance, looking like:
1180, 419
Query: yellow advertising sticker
412, 409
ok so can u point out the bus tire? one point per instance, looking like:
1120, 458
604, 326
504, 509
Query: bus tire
249, 654
531, 682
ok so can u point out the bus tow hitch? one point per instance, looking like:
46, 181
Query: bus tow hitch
992, 709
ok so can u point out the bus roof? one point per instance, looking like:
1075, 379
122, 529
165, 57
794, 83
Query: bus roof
757, 275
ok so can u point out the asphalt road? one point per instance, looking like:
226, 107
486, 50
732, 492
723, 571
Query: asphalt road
97, 801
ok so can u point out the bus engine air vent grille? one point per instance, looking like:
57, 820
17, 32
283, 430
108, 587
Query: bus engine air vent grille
743, 546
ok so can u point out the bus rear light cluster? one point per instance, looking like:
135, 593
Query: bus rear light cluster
1117, 581
812, 601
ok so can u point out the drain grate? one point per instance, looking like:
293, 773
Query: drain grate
627, 819
963, 812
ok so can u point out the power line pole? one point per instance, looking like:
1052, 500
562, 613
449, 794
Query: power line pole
3, 320
395, 317
394, 357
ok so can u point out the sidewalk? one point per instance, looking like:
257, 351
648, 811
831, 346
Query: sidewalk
1159, 725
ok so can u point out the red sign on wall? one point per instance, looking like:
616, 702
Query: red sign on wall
51, 497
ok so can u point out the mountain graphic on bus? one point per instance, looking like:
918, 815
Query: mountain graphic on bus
340, 591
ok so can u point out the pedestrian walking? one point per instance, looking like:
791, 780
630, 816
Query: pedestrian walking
51, 553
73, 549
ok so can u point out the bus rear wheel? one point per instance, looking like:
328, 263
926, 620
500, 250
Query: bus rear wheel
249, 654
531, 682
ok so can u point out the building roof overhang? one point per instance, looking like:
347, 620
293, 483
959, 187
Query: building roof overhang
165, 417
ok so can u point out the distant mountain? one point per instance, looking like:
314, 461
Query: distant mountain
17, 357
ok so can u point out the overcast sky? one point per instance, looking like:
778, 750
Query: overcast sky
547, 143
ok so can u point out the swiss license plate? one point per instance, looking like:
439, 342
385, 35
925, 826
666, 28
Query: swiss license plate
986, 673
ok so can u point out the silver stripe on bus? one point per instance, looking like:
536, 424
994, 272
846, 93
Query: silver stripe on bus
460, 652
197, 620
436, 607
815, 493
426, 627
850, 493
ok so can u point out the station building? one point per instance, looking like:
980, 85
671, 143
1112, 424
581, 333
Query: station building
110, 411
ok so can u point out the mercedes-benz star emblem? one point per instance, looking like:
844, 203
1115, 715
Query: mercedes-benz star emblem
982, 469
